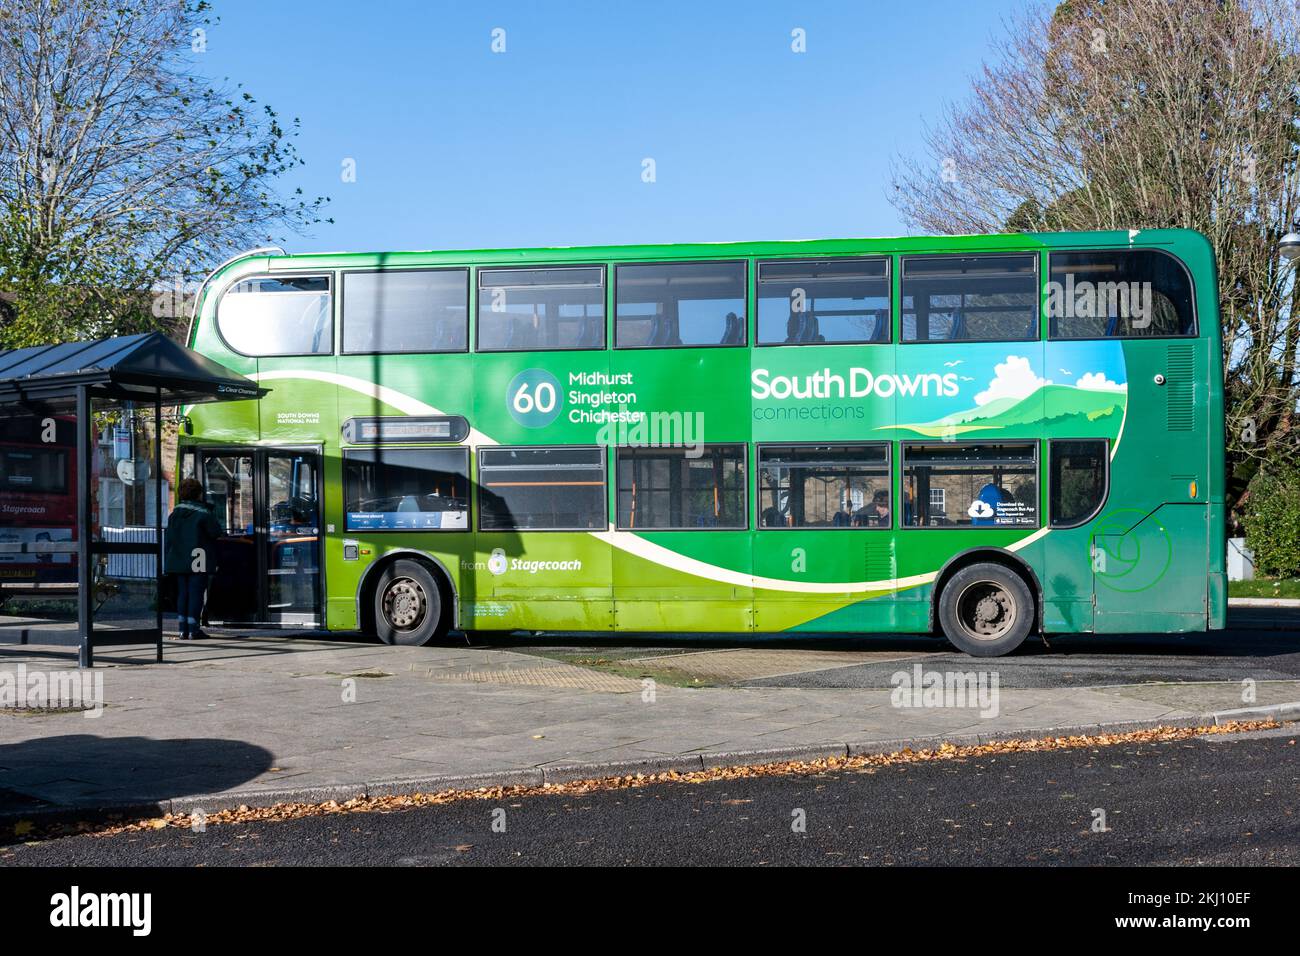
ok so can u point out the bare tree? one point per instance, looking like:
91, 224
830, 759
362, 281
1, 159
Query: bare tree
121, 169
1119, 114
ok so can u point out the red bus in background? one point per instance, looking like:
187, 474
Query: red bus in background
38, 505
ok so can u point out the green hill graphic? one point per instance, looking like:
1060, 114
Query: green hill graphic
1063, 410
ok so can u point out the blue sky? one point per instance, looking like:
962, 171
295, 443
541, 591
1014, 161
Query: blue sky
459, 147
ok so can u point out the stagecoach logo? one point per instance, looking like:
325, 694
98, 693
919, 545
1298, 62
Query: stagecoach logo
499, 564
859, 383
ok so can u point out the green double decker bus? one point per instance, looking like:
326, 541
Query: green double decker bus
982, 437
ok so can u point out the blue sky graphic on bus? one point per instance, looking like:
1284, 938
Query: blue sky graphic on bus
1000, 385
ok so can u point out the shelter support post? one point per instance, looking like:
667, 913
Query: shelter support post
85, 575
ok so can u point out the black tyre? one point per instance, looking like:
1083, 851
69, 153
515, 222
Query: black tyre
408, 605
986, 610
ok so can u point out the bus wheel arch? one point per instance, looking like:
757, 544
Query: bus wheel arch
407, 597
1021, 586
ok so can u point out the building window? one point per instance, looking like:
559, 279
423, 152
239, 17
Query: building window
681, 489
970, 298
407, 311
824, 486
979, 485
825, 301
278, 315
679, 304
1078, 480
425, 489
538, 309
1126, 293
542, 489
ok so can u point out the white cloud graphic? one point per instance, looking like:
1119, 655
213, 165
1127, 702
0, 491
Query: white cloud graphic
1013, 378
1098, 382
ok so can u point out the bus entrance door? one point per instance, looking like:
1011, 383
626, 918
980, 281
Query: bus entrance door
268, 562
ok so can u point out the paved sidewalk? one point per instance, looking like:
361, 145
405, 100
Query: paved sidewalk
259, 719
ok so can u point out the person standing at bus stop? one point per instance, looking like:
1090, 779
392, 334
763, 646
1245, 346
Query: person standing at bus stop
189, 552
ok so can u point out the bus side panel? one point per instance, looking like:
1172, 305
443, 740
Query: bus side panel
1066, 578
654, 589
1151, 544
545, 581
653, 595
1151, 578
810, 560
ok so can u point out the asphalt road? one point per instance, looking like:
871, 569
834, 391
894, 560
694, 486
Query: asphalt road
1260, 643
1100, 660
1232, 800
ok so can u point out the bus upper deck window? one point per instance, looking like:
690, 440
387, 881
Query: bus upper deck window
1124, 293
823, 301
278, 315
524, 310
680, 304
970, 298
407, 310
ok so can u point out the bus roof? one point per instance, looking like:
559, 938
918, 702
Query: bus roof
1118, 238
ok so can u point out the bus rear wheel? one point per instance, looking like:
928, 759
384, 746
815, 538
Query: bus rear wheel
986, 610
408, 605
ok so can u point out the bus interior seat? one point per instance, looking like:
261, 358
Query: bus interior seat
958, 325
802, 327
734, 332
663, 331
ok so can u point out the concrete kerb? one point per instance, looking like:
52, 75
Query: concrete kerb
1279, 712
540, 776
1263, 602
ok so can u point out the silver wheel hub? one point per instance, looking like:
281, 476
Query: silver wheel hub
404, 604
986, 611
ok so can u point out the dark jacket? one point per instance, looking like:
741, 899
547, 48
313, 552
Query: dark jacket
190, 526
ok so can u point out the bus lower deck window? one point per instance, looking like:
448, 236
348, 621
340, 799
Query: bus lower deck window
991, 485
539, 489
824, 486
1077, 480
421, 489
681, 488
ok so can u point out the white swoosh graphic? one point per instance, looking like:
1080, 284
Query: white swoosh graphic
629, 541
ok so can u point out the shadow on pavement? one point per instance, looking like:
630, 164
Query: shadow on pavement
82, 770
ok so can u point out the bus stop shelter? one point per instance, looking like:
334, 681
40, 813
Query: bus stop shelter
57, 403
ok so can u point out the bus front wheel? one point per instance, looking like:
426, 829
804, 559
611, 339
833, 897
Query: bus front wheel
986, 610
408, 604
